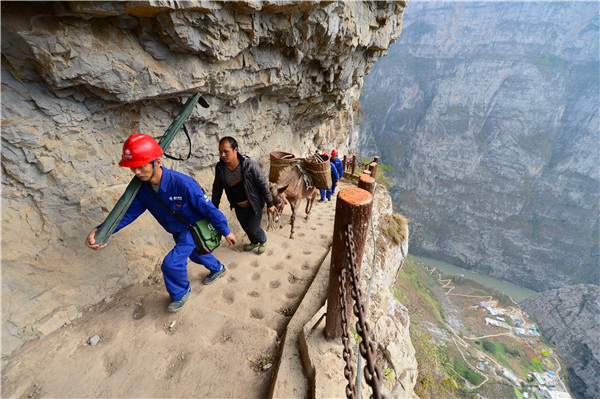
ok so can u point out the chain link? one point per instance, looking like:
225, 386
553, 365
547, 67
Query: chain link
348, 369
373, 375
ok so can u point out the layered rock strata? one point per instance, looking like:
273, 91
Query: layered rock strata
80, 77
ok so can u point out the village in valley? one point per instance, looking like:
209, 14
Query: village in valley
494, 349
546, 384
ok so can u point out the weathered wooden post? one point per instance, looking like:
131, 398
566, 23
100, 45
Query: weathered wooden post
353, 164
366, 172
373, 169
376, 159
345, 163
366, 182
354, 207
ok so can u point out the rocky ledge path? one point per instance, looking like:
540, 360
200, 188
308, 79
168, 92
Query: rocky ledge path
223, 343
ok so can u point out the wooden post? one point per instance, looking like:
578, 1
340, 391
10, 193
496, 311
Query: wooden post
366, 182
373, 169
366, 172
376, 159
353, 164
345, 163
353, 206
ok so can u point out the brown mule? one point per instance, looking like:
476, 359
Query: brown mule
292, 187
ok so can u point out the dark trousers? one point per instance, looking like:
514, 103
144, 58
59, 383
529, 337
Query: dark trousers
250, 222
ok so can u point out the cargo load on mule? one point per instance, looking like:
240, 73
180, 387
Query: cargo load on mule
293, 179
316, 166
319, 168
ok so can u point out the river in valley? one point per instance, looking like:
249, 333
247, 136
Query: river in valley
516, 292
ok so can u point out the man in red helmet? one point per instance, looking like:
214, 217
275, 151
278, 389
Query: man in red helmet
141, 153
335, 160
334, 179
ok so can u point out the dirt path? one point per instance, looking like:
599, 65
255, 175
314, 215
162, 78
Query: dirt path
221, 344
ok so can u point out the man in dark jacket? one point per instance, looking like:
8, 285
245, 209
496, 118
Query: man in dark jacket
247, 191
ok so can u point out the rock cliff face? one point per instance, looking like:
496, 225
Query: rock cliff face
79, 77
488, 114
570, 318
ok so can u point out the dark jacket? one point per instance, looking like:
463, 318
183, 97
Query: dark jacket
255, 184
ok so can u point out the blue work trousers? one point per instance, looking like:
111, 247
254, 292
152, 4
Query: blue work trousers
250, 222
327, 193
174, 266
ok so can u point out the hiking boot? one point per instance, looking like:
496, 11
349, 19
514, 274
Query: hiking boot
262, 247
175, 306
213, 276
250, 247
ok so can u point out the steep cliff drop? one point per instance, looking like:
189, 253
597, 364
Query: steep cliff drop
488, 114
570, 318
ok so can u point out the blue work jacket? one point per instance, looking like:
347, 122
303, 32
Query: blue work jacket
334, 174
339, 167
182, 194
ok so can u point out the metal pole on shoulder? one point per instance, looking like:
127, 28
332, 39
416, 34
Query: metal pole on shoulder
116, 214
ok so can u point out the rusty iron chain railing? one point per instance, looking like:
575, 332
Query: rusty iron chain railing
348, 369
360, 166
373, 375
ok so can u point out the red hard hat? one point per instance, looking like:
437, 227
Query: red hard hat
334, 153
138, 150
326, 154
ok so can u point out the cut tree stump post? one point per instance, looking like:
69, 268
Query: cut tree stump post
376, 159
354, 207
345, 163
353, 164
373, 169
366, 182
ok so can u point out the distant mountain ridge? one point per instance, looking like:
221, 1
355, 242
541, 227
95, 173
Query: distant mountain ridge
488, 114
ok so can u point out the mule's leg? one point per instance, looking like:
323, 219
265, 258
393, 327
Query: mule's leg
307, 209
293, 218
309, 203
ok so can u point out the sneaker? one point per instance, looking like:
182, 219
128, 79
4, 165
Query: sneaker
175, 306
250, 247
262, 247
321, 200
213, 276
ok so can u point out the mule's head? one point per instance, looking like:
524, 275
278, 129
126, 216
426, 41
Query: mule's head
278, 195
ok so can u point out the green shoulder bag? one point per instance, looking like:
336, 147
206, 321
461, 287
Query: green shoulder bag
206, 236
